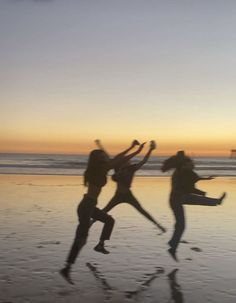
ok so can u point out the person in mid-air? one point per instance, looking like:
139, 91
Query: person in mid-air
183, 191
124, 175
95, 177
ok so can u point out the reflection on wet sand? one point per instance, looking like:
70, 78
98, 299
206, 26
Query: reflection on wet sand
99, 276
175, 288
143, 285
37, 223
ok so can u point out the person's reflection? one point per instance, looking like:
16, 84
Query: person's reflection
175, 288
144, 284
105, 285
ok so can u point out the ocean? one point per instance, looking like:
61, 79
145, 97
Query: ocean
64, 164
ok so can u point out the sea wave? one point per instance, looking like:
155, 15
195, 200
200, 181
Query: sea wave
76, 164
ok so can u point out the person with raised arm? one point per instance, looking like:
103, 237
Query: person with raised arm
95, 177
183, 191
123, 177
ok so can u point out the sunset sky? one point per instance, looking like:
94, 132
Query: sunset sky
76, 70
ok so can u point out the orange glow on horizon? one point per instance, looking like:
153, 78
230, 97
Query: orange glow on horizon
197, 149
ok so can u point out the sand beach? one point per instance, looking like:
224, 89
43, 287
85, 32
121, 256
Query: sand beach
37, 225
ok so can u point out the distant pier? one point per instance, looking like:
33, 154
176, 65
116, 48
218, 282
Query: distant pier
233, 154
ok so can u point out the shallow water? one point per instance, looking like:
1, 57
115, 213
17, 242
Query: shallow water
37, 225
62, 164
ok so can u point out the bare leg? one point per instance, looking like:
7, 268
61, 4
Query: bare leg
134, 202
115, 200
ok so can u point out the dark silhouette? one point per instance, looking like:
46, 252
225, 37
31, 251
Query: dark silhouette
183, 191
143, 284
95, 177
123, 176
176, 294
105, 285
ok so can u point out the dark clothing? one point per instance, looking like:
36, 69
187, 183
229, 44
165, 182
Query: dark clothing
178, 211
193, 199
184, 182
96, 176
125, 175
188, 179
87, 209
130, 199
184, 194
175, 161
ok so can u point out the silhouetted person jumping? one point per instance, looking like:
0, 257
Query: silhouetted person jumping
183, 191
95, 177
123, 176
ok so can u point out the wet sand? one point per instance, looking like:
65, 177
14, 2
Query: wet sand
37, 225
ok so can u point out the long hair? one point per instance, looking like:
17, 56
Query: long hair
175, 162
96, 170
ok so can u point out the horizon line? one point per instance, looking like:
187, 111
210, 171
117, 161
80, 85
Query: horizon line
192, 154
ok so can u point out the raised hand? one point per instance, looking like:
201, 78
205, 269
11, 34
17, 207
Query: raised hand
134, 143
162, 228
141, 146
153, 144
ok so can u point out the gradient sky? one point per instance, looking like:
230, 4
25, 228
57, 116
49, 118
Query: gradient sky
76, 70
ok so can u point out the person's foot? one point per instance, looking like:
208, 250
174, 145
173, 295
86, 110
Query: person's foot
162, 229
65, 273
100, 248
172, 252
172, 274
221, 198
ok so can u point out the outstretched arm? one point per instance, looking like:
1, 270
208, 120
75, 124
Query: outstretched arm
121, 158
122, 154
146, 157
206, 178
195, 177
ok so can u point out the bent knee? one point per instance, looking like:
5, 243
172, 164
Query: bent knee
110, 220
80, 241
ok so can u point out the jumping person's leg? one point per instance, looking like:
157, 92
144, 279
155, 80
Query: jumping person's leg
109, 222
85, 211
115, 200
134, 202
178, 211
192, 199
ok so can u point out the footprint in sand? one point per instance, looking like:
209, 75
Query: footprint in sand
43, 243
197, 249
184, 241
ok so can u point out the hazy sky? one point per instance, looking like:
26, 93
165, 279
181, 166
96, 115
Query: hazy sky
76, 70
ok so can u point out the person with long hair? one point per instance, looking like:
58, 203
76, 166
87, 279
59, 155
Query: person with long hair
183, 191
123, 177
95, 177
